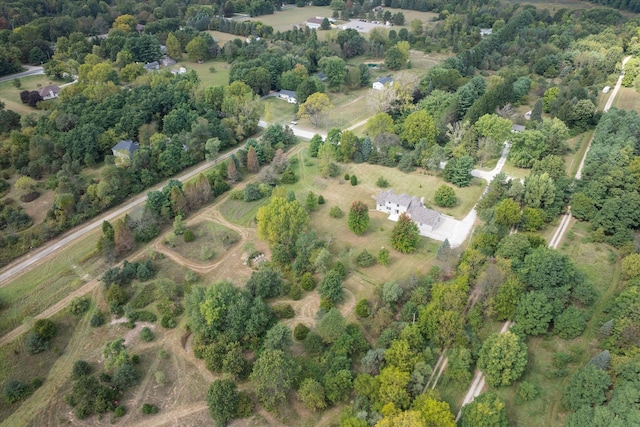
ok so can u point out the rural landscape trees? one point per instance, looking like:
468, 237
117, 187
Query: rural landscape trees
286, 288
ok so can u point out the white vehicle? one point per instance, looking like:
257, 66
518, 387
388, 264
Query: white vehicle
294, 122
606, 89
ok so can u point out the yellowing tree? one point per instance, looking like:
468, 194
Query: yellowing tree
126, 23
281, 221
418, 125
315, 107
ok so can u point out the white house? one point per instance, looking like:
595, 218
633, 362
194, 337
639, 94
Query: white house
49, 92
382, 82
123, 152
288, 95
486, 31
314, 23
395, 204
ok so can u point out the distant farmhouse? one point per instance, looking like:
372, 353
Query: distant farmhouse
394, 204
382, 82
287, 95
314, 23
49, 92
123, 152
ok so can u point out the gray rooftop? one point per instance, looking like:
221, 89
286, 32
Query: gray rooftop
384, 80
289, 93
415, 208
128, 145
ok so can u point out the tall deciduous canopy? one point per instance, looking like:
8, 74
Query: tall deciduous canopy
503, 358
273, 375
486, 410
417, 126
359, 217
405, 235
281, 221
315, 107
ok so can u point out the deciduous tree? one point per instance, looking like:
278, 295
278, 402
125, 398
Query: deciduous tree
502, 359
405, 235
358, 218
273, 376
315, 107
222, 400
281, 221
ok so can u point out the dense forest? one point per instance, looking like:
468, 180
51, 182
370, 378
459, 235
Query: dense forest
459, 112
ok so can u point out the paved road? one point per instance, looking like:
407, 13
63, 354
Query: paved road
26, 262
30, 72
296, 131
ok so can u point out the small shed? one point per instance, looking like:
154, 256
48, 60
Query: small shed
123, 152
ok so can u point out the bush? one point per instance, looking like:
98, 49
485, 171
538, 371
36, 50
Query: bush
295, 293
14, 391
336, 212
97, 319
79, 306
168, 322
81, 368
148, 408
365, 259
526, 392
307, 282
354, 180
143, 316
346, 177
382, 182
301, 331
29, 197
45, 328
383, 256
320, 200
245, 405
570, 323
445, 197
120, 411
188, 236
35, 344
283, 311
147, 334
362, 308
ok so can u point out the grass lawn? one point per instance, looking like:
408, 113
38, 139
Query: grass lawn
222, 38
627, 99
278, 110
557, 5
46, 284
578, 145
598, 263
10, 93
220, 76
212, 239
285, 20
239, 212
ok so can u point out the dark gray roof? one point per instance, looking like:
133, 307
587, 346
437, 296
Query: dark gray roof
315, 20
384, 80
49, 88
415, 208
128, 145
517, 128
321, 76
152, 65
289, 93
419, 213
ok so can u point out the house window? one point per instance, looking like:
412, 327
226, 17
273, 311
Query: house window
397, 211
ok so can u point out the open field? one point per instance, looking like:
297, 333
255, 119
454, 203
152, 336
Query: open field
598, 263
278, 110
627, 99
48, 283
287, 19
220, 77
578, 145
222, 38
9, 92
211, 241
561, 4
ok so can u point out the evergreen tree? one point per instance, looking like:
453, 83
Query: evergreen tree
405, 235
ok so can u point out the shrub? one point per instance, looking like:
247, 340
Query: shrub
161, 379
354, 180
142, 316
307, 282
365, 259
35, 344
245, 405
79, 306
81, 368
570, 323
14, 391
168, 322
383, 256
301, 331
283, 311
320, 200
188, 236
335, 212
45, 328
382, 182
362, 308
445, 197
147, 334
148, 408
120, 411
526, 392
295, 293
346, 177
97, 319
